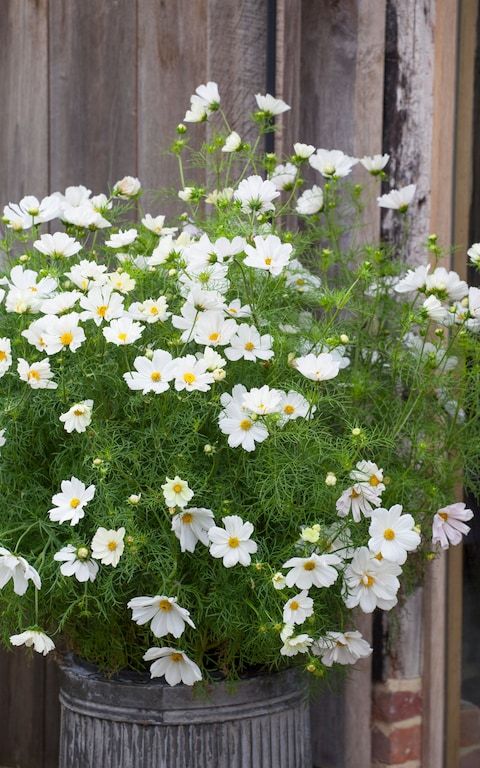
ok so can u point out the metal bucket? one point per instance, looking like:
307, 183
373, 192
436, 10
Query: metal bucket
260, 722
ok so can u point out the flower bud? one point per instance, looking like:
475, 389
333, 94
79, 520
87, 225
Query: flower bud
219, 374
344, 338
23, 258
330, 479
82, 553
356, 431
134, 498
97, 462
149, 353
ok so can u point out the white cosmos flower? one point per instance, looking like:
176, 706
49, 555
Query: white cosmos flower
235, 309
318, 367
449, 524
26, 293
268, 253
474, 254
445, 285
247, 344
209, 95
212, 360
341, 648
151, 375
300, 278
5, 355
176, 492
73, 196
150, 310
392, 534
374, 163
2, 437
241, 428
121, 281
123, 331
191, 374
428, 352
57, 245
78, 417
62, 302
122, 238
359, 500
371, 583
84, 215
192, 525
212, 277
332, 163
108, 546
283, 176
174, 665
303, 150
87, 274
127, 187
233, 142
35, 334
367, 473
213, 329
63, 333
255, 195
313, 571
217, 196
101, 305
40, 642
398, 199
155, 224
269, 105
294, 406
37, 375
16, 568
30, 210
164, 613
262, 400
294, 644
70, 502
298, 608
278, 580
310, 201
435, 310
232, 543
77, 561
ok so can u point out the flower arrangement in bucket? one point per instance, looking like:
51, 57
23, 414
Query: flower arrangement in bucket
220, 437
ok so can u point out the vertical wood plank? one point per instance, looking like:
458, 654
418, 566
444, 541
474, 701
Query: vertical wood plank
24, 99
92, 92
288, 74
172, 61
237, 57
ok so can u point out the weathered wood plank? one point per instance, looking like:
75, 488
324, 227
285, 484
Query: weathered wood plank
92, 92
172, 61
288, 73
24, 99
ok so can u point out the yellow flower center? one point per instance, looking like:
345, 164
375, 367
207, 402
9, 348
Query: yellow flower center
122, 337
309, 565
74, 502
102, 311
368, 580
78, 412
389, 534
156, 376
289, 409
300, 281
189, 377
379, 556
443, 515
214, 337
165, 605
187, 518
374, 481
249, 346
66, 338
34, 374
233, 542
177, 487
294, 606
153, 310
176, 657
246, 424
354, 494
112, 545
3, 355
268, 262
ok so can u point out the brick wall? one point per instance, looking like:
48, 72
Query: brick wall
397, 723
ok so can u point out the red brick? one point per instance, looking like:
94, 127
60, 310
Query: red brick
469, 725
470, 759
392, 706
400, 745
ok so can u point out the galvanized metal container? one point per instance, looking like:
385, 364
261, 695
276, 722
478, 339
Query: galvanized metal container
263, 722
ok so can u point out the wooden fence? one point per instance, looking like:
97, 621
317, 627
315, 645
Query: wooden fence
91, 90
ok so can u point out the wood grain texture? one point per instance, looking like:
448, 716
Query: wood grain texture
172, 42
288, 74
237, 57
92, 92
24, 99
